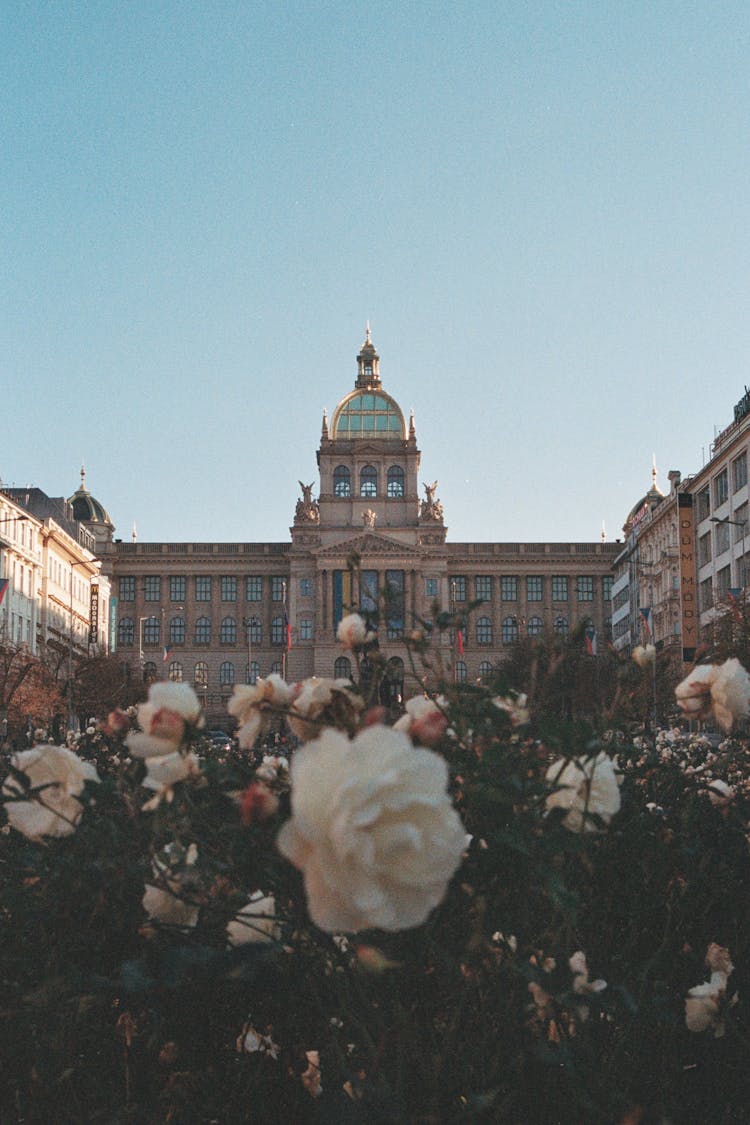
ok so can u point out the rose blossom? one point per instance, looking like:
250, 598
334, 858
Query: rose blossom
372, 829
322, 702
164, 903
644, 655
590, 788
705, 1003
252, 705
515, 706
352, 632
256, 922
56, 810
168, 769
719, 689
424, 720
164, 719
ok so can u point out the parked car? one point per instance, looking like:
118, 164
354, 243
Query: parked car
219, 739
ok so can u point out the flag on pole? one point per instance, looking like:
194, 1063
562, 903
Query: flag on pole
645, 613
166, 654
591, 641
460, 641
4, 583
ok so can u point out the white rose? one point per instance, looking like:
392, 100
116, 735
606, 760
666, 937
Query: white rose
721, 689
256, 922
163, 720
321, 702
253, 705
56, 810
372, 829
590, 788
167, 908
168, 769
424, 719
644, 655
352, 631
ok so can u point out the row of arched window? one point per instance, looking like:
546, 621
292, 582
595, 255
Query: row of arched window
368, 481
151, 632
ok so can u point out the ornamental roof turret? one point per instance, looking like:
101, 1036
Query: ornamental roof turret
368, 412
368, 364
87, 508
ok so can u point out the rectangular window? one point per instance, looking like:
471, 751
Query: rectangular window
152, 588
203, 588
533, 587
559, 587
483, 587
721, 487
607, 582
254, 588
739, 471
368, 591
228, 588
177, 588
739, 526
707, 594
509, 588
394, 604
305, 629
723, 582
704, 505
458, 588
721, 533
585, 588
431, 587
704, 549
127, 589
278, 588
305, 587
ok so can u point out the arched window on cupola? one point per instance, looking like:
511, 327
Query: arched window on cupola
368, 481
395, 487
342, 481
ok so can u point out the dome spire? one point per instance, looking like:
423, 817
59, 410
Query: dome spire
83, 479
368, 364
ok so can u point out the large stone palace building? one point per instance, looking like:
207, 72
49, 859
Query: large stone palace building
216, 614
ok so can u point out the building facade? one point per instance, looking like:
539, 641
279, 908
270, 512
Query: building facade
369, 537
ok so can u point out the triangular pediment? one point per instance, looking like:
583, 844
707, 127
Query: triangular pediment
370, 544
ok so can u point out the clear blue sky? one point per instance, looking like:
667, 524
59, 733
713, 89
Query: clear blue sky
542, 208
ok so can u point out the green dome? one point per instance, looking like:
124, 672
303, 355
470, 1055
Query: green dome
368, 414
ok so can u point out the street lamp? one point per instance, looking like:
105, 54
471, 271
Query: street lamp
248, 623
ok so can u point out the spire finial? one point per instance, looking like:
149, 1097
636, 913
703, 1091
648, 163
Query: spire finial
135, 533
83, 478
653, 470
368, 338
604, 533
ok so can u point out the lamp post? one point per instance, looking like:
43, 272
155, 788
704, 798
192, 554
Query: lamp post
248, 623
148, 617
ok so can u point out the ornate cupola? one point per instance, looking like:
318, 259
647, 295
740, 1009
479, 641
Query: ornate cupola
368, 365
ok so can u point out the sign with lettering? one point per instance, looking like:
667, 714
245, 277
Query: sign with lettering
94, 615
688, 580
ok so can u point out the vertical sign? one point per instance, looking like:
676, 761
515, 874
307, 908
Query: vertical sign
94, 615
688, 585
